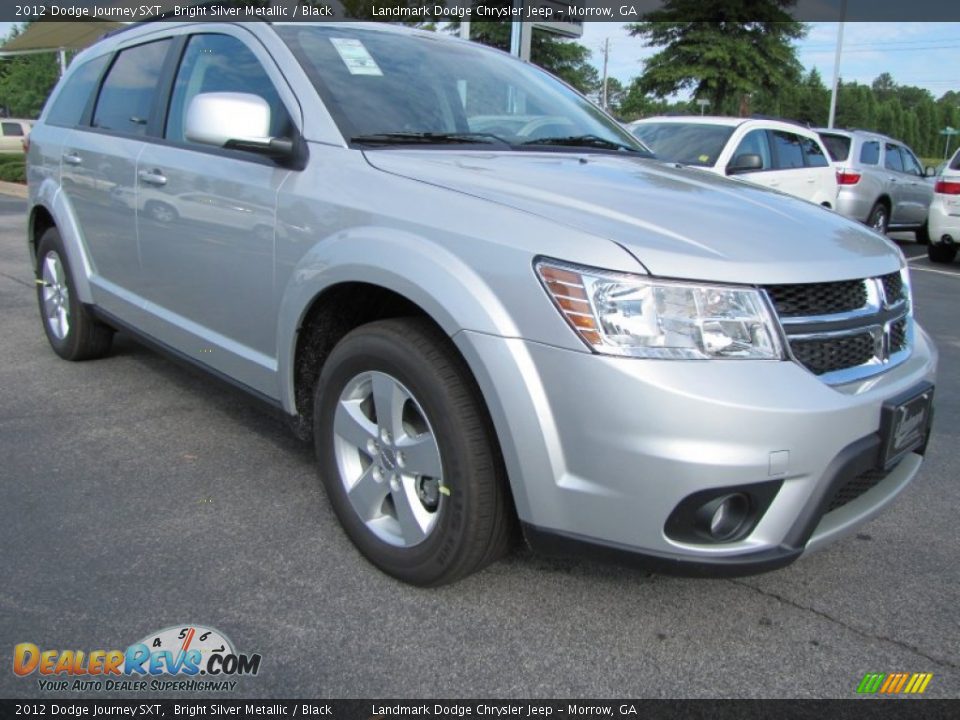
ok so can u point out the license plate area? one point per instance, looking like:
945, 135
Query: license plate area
905, 423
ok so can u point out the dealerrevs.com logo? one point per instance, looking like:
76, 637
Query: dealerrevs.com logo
198, 658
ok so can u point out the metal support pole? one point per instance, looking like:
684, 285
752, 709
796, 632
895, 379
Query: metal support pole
63, 61
465, 29
836, 66
516, 28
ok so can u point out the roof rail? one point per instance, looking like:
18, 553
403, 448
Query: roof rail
758, 116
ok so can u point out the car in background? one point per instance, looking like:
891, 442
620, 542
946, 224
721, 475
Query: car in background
777, 154
881, 181
944, 219
13, 132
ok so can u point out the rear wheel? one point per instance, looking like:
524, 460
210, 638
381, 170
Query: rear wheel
879, 218
74, 334
941, 253
407, 455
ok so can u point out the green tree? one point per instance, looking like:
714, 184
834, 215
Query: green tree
739, 48
26, 81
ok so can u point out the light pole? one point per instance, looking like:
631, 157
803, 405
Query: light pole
836, 65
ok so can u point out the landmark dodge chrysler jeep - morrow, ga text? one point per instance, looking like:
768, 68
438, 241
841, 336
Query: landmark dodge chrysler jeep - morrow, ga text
490, 308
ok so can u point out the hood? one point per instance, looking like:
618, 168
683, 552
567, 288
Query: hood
678, 222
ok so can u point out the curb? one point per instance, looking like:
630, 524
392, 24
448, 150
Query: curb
15, 189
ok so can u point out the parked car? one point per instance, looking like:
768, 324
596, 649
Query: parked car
479, 329
945, 213
881, 181
780, 155
13, 132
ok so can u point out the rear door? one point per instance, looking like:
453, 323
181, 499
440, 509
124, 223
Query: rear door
917, 193
898, 187
789, 166
99, 173
12, 133
207, 217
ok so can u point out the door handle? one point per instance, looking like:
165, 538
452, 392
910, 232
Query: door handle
72, 159
153, 177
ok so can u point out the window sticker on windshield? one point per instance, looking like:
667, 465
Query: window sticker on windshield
355, 57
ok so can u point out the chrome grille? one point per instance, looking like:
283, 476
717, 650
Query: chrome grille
847, 330
829, 354
817, 298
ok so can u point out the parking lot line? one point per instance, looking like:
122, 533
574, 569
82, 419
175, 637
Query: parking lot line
938, 272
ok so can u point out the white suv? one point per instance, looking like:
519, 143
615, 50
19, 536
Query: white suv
777, 154
944, 219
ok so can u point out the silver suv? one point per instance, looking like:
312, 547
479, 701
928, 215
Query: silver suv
881, 181
490, 310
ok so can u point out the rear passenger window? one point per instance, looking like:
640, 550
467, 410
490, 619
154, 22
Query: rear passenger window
11, 129
812, 153
755, 142
221, 63
126, 97
870, 153
891, 158
955, 165
67, 109
789, 152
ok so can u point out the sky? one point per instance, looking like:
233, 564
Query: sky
922, 54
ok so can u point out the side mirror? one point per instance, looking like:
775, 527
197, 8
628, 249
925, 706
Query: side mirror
238, 121
748, 162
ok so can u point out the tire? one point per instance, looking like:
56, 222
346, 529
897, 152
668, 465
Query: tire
922, 235
941, 253
879, 218
74, 334
454, 516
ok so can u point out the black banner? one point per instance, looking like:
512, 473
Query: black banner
618, 11
861, 709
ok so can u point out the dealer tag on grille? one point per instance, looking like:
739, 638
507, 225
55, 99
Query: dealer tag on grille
905, 424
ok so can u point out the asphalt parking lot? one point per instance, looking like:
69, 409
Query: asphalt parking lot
138, 494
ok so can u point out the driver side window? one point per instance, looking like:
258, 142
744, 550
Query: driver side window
755, 142
221, 63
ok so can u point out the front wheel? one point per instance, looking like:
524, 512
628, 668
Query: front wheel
73, 333
407, 454
941, 253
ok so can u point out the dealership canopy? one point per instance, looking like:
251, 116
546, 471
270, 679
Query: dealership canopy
41, 37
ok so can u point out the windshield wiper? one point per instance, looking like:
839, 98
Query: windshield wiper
428, 138
585, 141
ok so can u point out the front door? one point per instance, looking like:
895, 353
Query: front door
206, 221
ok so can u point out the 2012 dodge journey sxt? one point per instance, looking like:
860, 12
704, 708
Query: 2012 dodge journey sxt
492, 310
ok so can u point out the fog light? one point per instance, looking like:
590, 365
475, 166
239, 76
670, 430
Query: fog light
724, 516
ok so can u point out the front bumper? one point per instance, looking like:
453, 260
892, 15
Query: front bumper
601, 450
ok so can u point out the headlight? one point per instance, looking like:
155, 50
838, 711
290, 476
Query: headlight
632, 315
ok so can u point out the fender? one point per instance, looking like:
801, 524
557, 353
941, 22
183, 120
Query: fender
50, 196
423, 271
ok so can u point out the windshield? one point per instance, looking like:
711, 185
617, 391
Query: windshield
686, 143
386, 87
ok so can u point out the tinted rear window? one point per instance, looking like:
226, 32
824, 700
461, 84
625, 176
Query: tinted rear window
788, 151
892, 159
687, 143
12, 129
837, 145
870, 153
72, 100
126, 97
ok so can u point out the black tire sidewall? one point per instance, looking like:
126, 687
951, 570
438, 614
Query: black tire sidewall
363, 351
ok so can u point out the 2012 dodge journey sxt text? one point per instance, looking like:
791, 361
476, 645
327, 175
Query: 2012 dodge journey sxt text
487, 304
